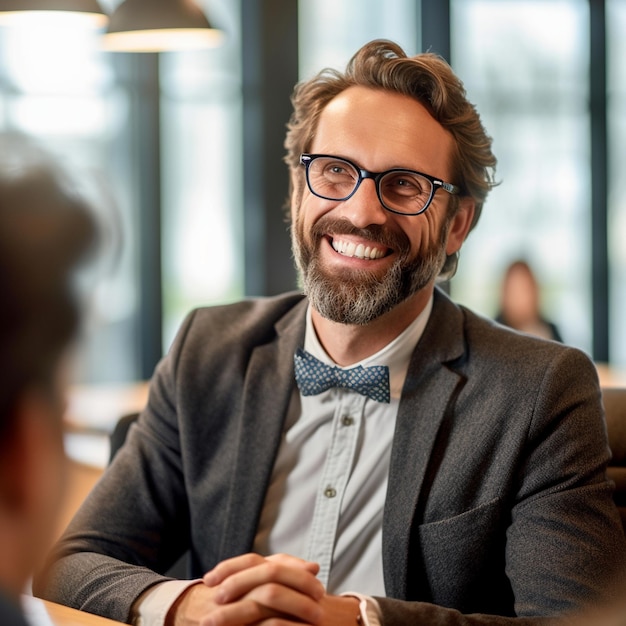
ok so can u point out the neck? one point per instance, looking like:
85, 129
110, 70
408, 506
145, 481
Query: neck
347, 344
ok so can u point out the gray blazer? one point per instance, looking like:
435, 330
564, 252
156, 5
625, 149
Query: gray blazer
497, 501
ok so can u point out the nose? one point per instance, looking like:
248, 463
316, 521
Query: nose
364, 207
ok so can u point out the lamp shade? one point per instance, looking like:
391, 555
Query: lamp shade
88, 8
159, 25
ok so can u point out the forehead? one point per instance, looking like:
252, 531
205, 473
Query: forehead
380, 130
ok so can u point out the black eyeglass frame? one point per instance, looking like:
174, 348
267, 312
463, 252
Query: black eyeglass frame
436, 183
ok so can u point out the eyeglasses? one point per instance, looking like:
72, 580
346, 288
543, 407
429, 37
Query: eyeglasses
400, 191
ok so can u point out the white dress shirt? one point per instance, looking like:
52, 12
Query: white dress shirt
327, 491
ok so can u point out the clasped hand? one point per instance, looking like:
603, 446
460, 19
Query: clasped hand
251, 589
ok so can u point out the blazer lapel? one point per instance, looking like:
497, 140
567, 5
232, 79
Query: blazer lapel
267, 391
430, 384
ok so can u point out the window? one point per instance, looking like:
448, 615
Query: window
84, 104
616, 53
331, 32
525, 66
201, 112
57, 86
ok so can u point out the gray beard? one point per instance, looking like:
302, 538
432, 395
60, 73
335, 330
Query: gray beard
359, 297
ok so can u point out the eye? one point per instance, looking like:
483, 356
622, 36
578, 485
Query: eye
405, 184
338, 170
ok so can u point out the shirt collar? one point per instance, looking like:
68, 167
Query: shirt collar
396, 355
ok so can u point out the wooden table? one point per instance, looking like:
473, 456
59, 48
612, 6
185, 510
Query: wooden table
44, 613
611, 376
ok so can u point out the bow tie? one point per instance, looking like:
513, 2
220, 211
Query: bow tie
314, 377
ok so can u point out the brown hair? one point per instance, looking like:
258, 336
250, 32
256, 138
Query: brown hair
46, 229
382, 64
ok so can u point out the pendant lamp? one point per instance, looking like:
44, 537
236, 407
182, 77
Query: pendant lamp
15, 9
158, 26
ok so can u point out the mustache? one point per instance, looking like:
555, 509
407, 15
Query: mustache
375, 233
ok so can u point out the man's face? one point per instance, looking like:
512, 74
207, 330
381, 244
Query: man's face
358, 260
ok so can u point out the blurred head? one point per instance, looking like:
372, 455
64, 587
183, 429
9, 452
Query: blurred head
45, 230
519, 299
425, 78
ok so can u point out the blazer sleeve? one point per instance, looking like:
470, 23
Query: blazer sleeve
565, 547
401, 613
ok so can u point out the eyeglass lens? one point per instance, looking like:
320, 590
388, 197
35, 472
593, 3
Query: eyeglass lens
401, 191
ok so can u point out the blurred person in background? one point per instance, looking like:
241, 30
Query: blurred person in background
520, 303
367, 451
46, 229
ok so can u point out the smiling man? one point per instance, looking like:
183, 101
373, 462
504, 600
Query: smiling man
367, 451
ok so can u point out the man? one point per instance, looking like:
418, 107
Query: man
463, 482
44, 230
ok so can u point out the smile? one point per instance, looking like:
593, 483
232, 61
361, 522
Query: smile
360, 251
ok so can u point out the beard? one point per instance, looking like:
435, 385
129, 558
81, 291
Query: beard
358, 297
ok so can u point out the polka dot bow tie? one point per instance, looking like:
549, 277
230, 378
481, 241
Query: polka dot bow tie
314, 377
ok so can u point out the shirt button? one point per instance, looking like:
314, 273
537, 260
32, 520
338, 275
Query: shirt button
346, 420
330, 492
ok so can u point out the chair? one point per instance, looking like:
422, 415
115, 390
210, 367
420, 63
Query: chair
118, 436
614, 400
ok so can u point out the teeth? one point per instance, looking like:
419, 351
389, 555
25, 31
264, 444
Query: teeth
359, 251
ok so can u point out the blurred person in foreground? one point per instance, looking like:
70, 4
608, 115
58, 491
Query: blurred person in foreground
520, 303
368, 451
45, 230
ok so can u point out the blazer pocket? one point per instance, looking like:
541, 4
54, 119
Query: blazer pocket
464, 556
482, 512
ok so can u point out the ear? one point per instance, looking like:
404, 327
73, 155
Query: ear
460, 225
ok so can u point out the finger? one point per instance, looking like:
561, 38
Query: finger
278, 605
243, 582
236, 564
231, 566
287, 602
288, 559
279, 621
244, 612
